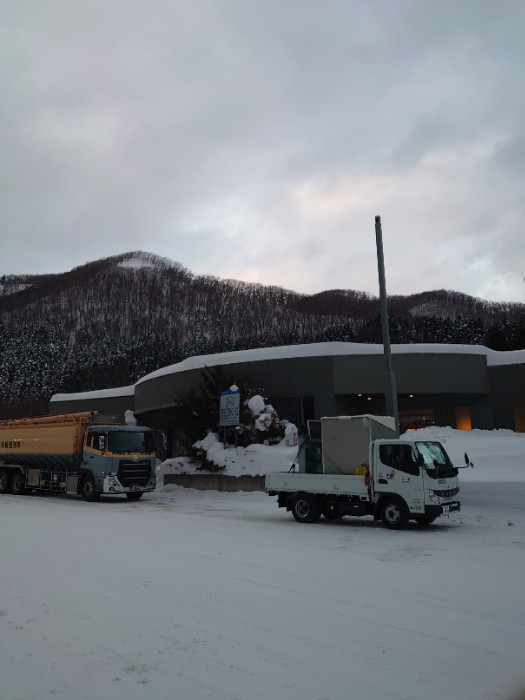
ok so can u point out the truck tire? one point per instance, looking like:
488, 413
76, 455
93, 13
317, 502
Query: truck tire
394, 513
5, 482
87, 489
134, 496
17, 483
305, 508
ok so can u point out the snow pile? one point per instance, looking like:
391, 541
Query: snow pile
254, 460
276, 449
497, 455
129, 418
256, 405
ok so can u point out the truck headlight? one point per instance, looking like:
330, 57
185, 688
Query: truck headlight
434, 498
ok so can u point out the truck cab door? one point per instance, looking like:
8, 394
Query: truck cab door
397, 471
95, 458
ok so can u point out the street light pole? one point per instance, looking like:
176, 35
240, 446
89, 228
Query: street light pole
390, 379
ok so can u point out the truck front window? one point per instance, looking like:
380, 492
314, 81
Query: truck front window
435, 458
125, 442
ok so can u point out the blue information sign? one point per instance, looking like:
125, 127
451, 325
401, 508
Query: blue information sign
230, 407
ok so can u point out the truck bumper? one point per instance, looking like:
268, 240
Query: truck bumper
113, 485
445, 509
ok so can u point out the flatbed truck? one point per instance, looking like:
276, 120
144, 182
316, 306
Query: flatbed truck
367, 470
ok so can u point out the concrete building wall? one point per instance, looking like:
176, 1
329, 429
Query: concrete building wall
448, 388
416, 373
312, 376
161, 392
507, 389
438, 386
445, 373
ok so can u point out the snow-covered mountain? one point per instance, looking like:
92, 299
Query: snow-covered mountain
111, 321
140, 292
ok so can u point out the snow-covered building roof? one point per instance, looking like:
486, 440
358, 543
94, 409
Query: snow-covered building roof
493, 357
116, 392
322, 379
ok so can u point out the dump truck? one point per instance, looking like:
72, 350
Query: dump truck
367, 470
76, 453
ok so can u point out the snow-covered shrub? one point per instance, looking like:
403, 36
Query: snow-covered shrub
199, 413
260, 427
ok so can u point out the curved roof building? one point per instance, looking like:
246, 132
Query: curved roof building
464, 386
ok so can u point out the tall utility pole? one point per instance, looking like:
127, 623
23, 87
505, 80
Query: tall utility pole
390, 379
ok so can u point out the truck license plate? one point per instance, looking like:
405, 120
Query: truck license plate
446, 509
135, 487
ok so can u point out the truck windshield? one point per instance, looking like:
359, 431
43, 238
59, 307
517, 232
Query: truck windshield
436, 460
130, 441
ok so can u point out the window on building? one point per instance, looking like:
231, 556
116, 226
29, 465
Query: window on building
414, 419
519, 418
463, 420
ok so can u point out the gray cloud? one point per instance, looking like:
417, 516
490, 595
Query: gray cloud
258, 140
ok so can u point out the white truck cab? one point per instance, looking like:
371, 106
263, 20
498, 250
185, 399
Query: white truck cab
420, 473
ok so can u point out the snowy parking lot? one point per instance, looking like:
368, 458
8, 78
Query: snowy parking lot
192, 595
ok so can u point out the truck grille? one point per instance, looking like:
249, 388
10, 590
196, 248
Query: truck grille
447, 493
134, 472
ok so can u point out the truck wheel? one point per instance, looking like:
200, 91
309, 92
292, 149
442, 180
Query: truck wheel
134, 496
424, 519
394, 514
87, 489
5, 486
305, 508
17, 483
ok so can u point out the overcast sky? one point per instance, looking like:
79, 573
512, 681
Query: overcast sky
258, 139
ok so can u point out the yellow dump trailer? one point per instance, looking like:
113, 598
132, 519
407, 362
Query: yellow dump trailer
76, 453
59, 439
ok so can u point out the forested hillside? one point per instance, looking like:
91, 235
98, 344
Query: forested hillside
111, 321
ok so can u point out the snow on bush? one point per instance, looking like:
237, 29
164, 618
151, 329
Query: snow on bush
276, 449
254, 460
256, 405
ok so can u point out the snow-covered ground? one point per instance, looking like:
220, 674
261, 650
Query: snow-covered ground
189, 594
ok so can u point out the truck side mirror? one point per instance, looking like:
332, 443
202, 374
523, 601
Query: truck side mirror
468, 463
420, 460
160, 440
